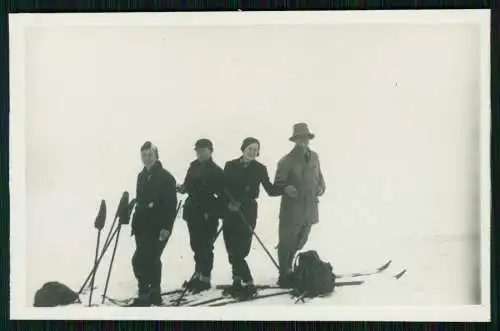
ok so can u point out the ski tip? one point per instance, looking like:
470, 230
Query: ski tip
399, 275
385, 266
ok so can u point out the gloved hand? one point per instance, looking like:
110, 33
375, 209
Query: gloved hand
234, 206
181, 189
131, 205
291, 191
164, 234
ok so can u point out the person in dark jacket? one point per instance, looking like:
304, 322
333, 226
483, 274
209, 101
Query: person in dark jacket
243, 177
203, 184
155, 212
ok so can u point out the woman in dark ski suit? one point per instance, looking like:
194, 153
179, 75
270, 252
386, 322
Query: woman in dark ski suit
243, 177
204, 181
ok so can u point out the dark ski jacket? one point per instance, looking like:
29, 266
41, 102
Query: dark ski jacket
156, 200
204, 185
243, 181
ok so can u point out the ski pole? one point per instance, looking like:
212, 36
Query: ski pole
110, 230
121, 206
179, 204
130, 206
123, 219
111, 264
301, 297
253, 231
98, 224
103, 251
178, 301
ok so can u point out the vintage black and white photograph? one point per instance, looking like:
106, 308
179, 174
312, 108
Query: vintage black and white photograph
278, 165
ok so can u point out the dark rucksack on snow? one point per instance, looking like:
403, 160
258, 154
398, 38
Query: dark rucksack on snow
312, 276
54, 294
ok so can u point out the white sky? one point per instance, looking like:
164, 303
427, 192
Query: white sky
395, 110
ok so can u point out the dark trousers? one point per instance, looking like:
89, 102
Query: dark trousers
202, 236
238, 238
292, 238
146, 261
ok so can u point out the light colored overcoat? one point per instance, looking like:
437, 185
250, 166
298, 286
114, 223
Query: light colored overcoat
307, 178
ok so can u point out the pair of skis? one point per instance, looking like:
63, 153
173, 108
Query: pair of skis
223, 300
193, 300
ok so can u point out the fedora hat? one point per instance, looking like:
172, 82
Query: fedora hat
300, 130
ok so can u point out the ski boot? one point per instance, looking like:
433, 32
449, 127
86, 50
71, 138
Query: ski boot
156, 299
143, 297
202, 284
192, 283
286, 280
234, 289
247, 290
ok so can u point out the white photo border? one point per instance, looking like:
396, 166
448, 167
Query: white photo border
19, 308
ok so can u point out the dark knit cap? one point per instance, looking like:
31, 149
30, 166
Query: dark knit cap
149, 145
248, 141
204, 143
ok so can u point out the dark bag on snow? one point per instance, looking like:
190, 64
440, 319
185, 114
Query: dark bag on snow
312, 276
54, 294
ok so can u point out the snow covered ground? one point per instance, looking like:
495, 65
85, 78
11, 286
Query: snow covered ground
62, 241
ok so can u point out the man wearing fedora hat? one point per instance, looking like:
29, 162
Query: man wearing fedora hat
299, 174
